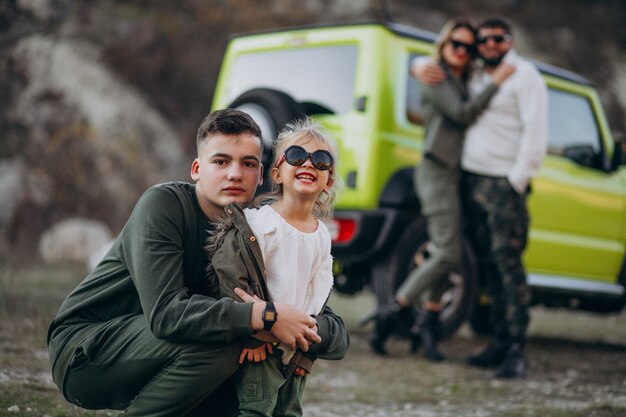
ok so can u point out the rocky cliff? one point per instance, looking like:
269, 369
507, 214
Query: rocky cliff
98, 100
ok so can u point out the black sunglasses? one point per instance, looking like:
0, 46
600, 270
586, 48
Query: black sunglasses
495, 38
296, 155
470, 48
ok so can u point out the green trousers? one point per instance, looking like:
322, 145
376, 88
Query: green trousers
121, 365
263, 390
438, 191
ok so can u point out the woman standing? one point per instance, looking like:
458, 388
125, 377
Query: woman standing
448, 110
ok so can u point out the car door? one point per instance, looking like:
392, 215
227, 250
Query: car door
576, 203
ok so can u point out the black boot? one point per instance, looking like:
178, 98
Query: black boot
515, 364
427, 327
386, 319
493, 355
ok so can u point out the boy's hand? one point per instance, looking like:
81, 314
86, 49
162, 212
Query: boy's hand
256, 354
293, 327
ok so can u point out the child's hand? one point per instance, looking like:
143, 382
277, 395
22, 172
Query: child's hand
300, 371
256, 354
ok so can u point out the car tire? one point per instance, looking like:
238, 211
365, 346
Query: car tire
410, 250
271, 110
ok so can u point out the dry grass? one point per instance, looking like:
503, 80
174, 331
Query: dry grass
29, 298
578, 364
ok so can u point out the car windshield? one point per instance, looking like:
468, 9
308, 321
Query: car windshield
318, 75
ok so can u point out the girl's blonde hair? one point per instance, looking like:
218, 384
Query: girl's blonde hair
306, 128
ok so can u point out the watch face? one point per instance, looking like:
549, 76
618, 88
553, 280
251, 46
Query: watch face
270, 316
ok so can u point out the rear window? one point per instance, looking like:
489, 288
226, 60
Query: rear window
320, 75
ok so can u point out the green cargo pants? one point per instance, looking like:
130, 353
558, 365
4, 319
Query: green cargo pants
263, 390
497, 225
121, 365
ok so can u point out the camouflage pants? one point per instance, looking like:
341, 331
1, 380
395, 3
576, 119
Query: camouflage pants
496, 220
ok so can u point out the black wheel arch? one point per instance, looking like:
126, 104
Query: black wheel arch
399, 192
276, 108
280, 105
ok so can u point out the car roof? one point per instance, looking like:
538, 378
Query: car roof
421, 35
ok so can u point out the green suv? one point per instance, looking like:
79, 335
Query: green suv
354, 80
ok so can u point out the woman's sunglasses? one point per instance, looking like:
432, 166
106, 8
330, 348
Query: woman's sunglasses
296, 155
470, 48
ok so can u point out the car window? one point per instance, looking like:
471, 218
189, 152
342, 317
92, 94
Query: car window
320, 75
413, 98
571, 122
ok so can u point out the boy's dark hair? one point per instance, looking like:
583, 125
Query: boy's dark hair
228, 122
496, 23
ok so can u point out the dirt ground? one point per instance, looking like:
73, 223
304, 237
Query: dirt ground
578, 365
578, 368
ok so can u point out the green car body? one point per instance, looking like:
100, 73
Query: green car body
354, 80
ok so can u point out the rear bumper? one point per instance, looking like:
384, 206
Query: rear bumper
373, 230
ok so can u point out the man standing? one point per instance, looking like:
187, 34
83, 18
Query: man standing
144, 332
502, 151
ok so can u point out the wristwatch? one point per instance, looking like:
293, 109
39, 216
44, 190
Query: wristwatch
269, 316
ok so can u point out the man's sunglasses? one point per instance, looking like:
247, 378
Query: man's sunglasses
296, 155
469, 47
495, 38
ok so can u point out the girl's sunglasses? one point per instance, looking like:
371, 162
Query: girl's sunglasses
296, 155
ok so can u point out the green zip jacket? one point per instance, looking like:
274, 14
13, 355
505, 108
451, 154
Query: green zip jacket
235, 257
157, 267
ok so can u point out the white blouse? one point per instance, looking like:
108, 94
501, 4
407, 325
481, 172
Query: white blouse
298, 265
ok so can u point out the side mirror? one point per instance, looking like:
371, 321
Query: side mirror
619, 152
583, 155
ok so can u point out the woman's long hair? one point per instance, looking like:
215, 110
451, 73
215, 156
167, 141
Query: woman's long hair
446, 34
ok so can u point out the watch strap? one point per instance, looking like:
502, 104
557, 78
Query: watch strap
269, 316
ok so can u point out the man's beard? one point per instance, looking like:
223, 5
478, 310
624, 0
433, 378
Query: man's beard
493, 62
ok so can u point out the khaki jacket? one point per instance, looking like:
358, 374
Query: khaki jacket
448, 110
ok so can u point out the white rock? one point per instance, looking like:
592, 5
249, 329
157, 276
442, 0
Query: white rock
73, 240
114, 109
98, 254
11, 187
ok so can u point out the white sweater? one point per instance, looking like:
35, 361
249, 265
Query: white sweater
509, 139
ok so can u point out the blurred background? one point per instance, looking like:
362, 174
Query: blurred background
101, 99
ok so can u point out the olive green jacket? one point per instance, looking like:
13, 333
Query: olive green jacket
448, 110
